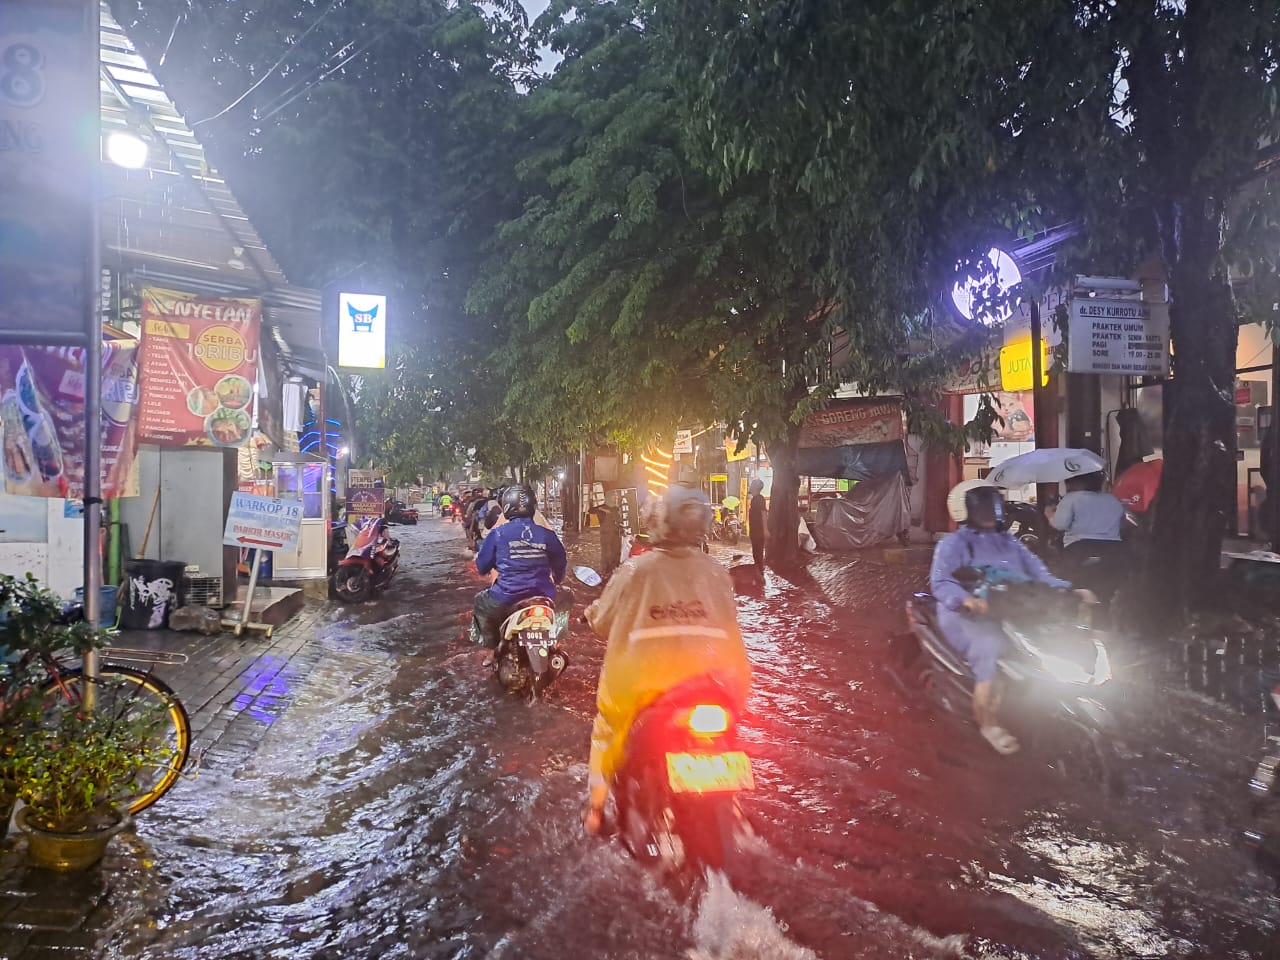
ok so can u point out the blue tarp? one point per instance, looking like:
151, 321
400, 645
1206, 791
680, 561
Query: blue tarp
865, 461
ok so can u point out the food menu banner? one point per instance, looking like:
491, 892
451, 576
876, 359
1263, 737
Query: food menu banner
848, 423
199, 369
42, 412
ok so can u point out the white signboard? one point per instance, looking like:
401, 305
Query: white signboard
264, 522
362, 330
684, 441
1126, 337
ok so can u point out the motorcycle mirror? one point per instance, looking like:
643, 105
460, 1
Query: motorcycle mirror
587, 576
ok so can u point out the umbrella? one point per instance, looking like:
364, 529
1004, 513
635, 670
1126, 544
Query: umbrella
1137, 486
1049, 465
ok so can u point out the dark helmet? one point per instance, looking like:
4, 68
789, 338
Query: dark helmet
984, 506
519, 500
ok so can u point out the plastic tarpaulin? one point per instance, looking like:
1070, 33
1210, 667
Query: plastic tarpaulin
874, 511
863, 461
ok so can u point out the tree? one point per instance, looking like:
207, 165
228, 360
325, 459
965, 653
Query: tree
637, 294
928, 126
370, 133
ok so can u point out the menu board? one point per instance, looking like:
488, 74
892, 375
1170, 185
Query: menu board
199, 369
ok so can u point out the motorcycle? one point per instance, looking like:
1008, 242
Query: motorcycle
529, 658
1053, 664
678, 785
370, 563
1028, 525
726, 526
1264, 785
338, 546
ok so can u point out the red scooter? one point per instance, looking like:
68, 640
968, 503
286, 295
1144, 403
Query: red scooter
369, 565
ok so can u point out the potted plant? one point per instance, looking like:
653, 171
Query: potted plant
71, 773
34, 625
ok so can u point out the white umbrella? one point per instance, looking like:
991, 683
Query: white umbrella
1049, 465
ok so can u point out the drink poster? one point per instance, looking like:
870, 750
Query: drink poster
42, 417
199, 369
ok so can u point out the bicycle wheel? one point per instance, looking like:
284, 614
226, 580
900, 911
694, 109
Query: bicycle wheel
123, 692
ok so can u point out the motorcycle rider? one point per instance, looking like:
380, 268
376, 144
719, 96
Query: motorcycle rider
668, 616
529, 559
983, 543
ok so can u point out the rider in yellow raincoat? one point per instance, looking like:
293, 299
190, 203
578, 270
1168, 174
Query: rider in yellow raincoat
668, 616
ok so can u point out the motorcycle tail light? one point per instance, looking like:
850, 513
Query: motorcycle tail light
707, 718
539, 611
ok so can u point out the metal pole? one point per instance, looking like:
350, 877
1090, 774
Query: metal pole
93, 370
1038, 405
1272, 503
253, 585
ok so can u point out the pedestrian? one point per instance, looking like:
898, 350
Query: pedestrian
757, 521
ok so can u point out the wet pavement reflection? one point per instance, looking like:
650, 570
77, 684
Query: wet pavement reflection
398, 805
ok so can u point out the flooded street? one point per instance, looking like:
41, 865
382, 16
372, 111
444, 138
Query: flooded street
395, 804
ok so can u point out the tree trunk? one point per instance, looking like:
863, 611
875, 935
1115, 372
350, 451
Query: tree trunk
1198, 482
782, 551
569, 496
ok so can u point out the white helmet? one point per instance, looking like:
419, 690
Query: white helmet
955, 499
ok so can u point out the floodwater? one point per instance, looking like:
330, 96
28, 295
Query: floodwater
400, 806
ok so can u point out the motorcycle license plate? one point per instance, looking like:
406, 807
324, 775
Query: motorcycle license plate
534, 637
709, 772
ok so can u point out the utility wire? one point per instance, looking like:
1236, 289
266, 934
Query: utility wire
307, 89
274, 67
303, 81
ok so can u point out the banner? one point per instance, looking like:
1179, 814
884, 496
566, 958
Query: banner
1017, 410
365, 502
42, 412
48, 148
199, 369
847, 423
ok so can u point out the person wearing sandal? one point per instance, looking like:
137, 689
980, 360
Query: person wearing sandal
983, 543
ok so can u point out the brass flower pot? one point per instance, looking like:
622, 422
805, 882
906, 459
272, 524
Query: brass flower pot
67, 851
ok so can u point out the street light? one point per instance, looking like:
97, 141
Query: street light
127, 150
343, 452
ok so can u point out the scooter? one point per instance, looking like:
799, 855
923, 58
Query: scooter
529, 658
678, 785
1053, 666
726, 526
1264, 785
370, 563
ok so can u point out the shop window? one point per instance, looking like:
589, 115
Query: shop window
313, 491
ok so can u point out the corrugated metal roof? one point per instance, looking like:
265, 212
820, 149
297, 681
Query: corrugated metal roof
175, 221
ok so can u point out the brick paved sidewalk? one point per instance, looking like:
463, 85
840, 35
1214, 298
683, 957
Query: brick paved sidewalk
232, 689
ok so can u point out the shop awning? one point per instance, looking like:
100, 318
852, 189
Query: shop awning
175, 222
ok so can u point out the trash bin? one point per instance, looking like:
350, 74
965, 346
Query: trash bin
106, 605
152, 590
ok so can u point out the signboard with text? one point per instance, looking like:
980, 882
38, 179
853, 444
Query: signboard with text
847, 423
267, 523
627, 502
684, 442
199, 369
365, 502
49, 133
1126, 337
362, 330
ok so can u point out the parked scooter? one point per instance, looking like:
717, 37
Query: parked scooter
338, 546
1053, 666
725, 526
677, 789
1265, 782
370, 563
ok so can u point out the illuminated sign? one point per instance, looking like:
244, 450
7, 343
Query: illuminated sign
1015, 365
362, 330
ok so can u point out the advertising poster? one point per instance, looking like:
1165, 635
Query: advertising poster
199, 369
48, 148
848, 423
42, 413
362, 330
1017, 410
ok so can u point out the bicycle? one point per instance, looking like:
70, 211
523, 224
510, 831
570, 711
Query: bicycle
123, 692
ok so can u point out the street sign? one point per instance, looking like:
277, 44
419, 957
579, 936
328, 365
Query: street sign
684, 442
1114, 336
267, 523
